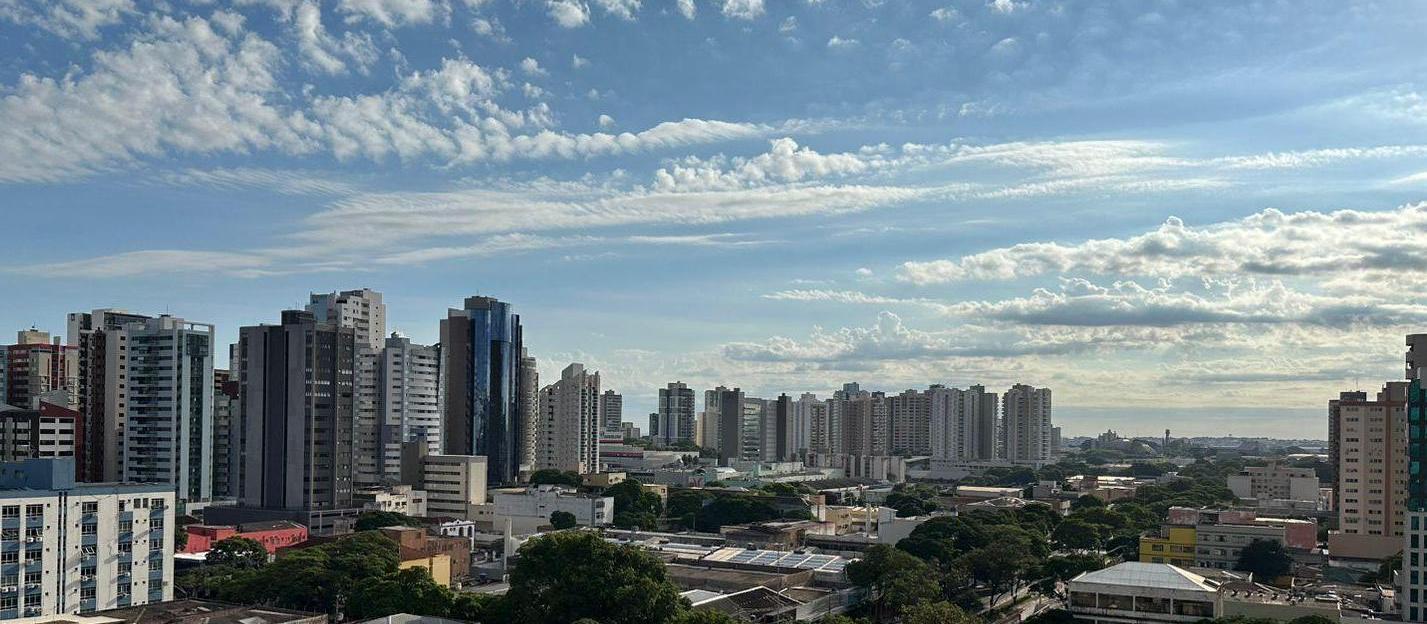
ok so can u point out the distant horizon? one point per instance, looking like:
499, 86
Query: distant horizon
1201, 217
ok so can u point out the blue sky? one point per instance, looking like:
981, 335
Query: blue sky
1199, 215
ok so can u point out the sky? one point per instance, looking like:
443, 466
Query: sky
1205, 216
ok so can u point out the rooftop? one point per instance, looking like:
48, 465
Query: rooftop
195, 612
1151, 575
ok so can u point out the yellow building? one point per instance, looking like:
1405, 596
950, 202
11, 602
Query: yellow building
1173, 545
438, 565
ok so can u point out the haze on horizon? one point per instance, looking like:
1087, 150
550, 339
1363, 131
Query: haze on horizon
1202, 216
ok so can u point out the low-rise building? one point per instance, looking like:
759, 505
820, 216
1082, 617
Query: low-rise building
1149, 593
49, 430
80, 547
402, 499
1275, 481
272, 535
448, 558
529, 509
876, 467
778, 535
197, 612
1170, 544
455, 485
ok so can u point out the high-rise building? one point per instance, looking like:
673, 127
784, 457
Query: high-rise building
910, 417
978, 414
676, 413
654, 426
82, 548
88, 333
481, 349
36, 365
779, 437
710, 417
865, 424
226, 433
810, 424
1026, 423
362, 310
528, 409
570, 427
408, 402
752, 429
945, 426
1413, 588
729, 424
158, 405
297, 383
47, 431
612, 413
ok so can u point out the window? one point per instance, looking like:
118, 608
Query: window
10, 511
86, 593
89, 507
9, 601
10, 556
34, 511
126, 547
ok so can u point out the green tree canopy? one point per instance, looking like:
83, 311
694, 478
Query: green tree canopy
937, 613
237, 551
1077, 534
406, 591
551, 476
372, 520
563, 577
562, 520
1266, 559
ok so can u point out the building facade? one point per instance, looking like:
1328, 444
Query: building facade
89, 333
225, 432
612, 413
1026, 423
1413, 578
408, 402
297, 384
361, 310
51, 431
1275, 481
570, 427
80, 548
481, 349
1369, 449
36, 365
676, 414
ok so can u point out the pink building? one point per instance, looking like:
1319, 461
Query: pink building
272, 535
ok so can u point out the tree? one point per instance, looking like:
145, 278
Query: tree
1266, 559
562, 520
706, 617
630, 497
1057, 570
896, 579
563, 577
373, 520
1077, 534
734, 509
1085, 501
551, 476
238, 552
937, 613
407, 591
908, 505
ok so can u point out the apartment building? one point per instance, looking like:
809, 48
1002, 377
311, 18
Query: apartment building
1276, 481
46, 432
1369, 444
569, 436
75, 548
35, 366
909, 415
1026, 424
454, 484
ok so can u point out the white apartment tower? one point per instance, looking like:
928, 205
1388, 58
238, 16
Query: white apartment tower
569, 436
159, 405
80, 548
1026, 423
408, 401
910, 420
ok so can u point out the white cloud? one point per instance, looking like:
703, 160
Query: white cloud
1005, 7
532, 67
839, 43
278, 180
789, 24
784, 162
623, 9
606, 121
743, 9
569, 13
1343, 245
945, 14
81, 19
392, 12
687, 8
579, 62
324, 53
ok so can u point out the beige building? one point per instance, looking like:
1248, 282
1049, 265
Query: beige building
569, 426
1275, 482
1369, 445
1026, 424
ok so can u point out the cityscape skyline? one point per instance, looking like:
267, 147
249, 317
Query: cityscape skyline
1192, 216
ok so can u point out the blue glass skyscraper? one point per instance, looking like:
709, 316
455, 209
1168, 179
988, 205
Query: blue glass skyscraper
480, 351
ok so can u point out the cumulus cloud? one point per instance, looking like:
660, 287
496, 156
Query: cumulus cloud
687, 8
568, 13
532, 67
606, 121
579, 62
1343, 244
623, 9
392, 12
80, 19
784, 162
839, 43
743, 9
945, 14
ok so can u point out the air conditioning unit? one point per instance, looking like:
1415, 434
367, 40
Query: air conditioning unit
8, 588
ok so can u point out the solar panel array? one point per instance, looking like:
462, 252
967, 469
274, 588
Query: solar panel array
781, 559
